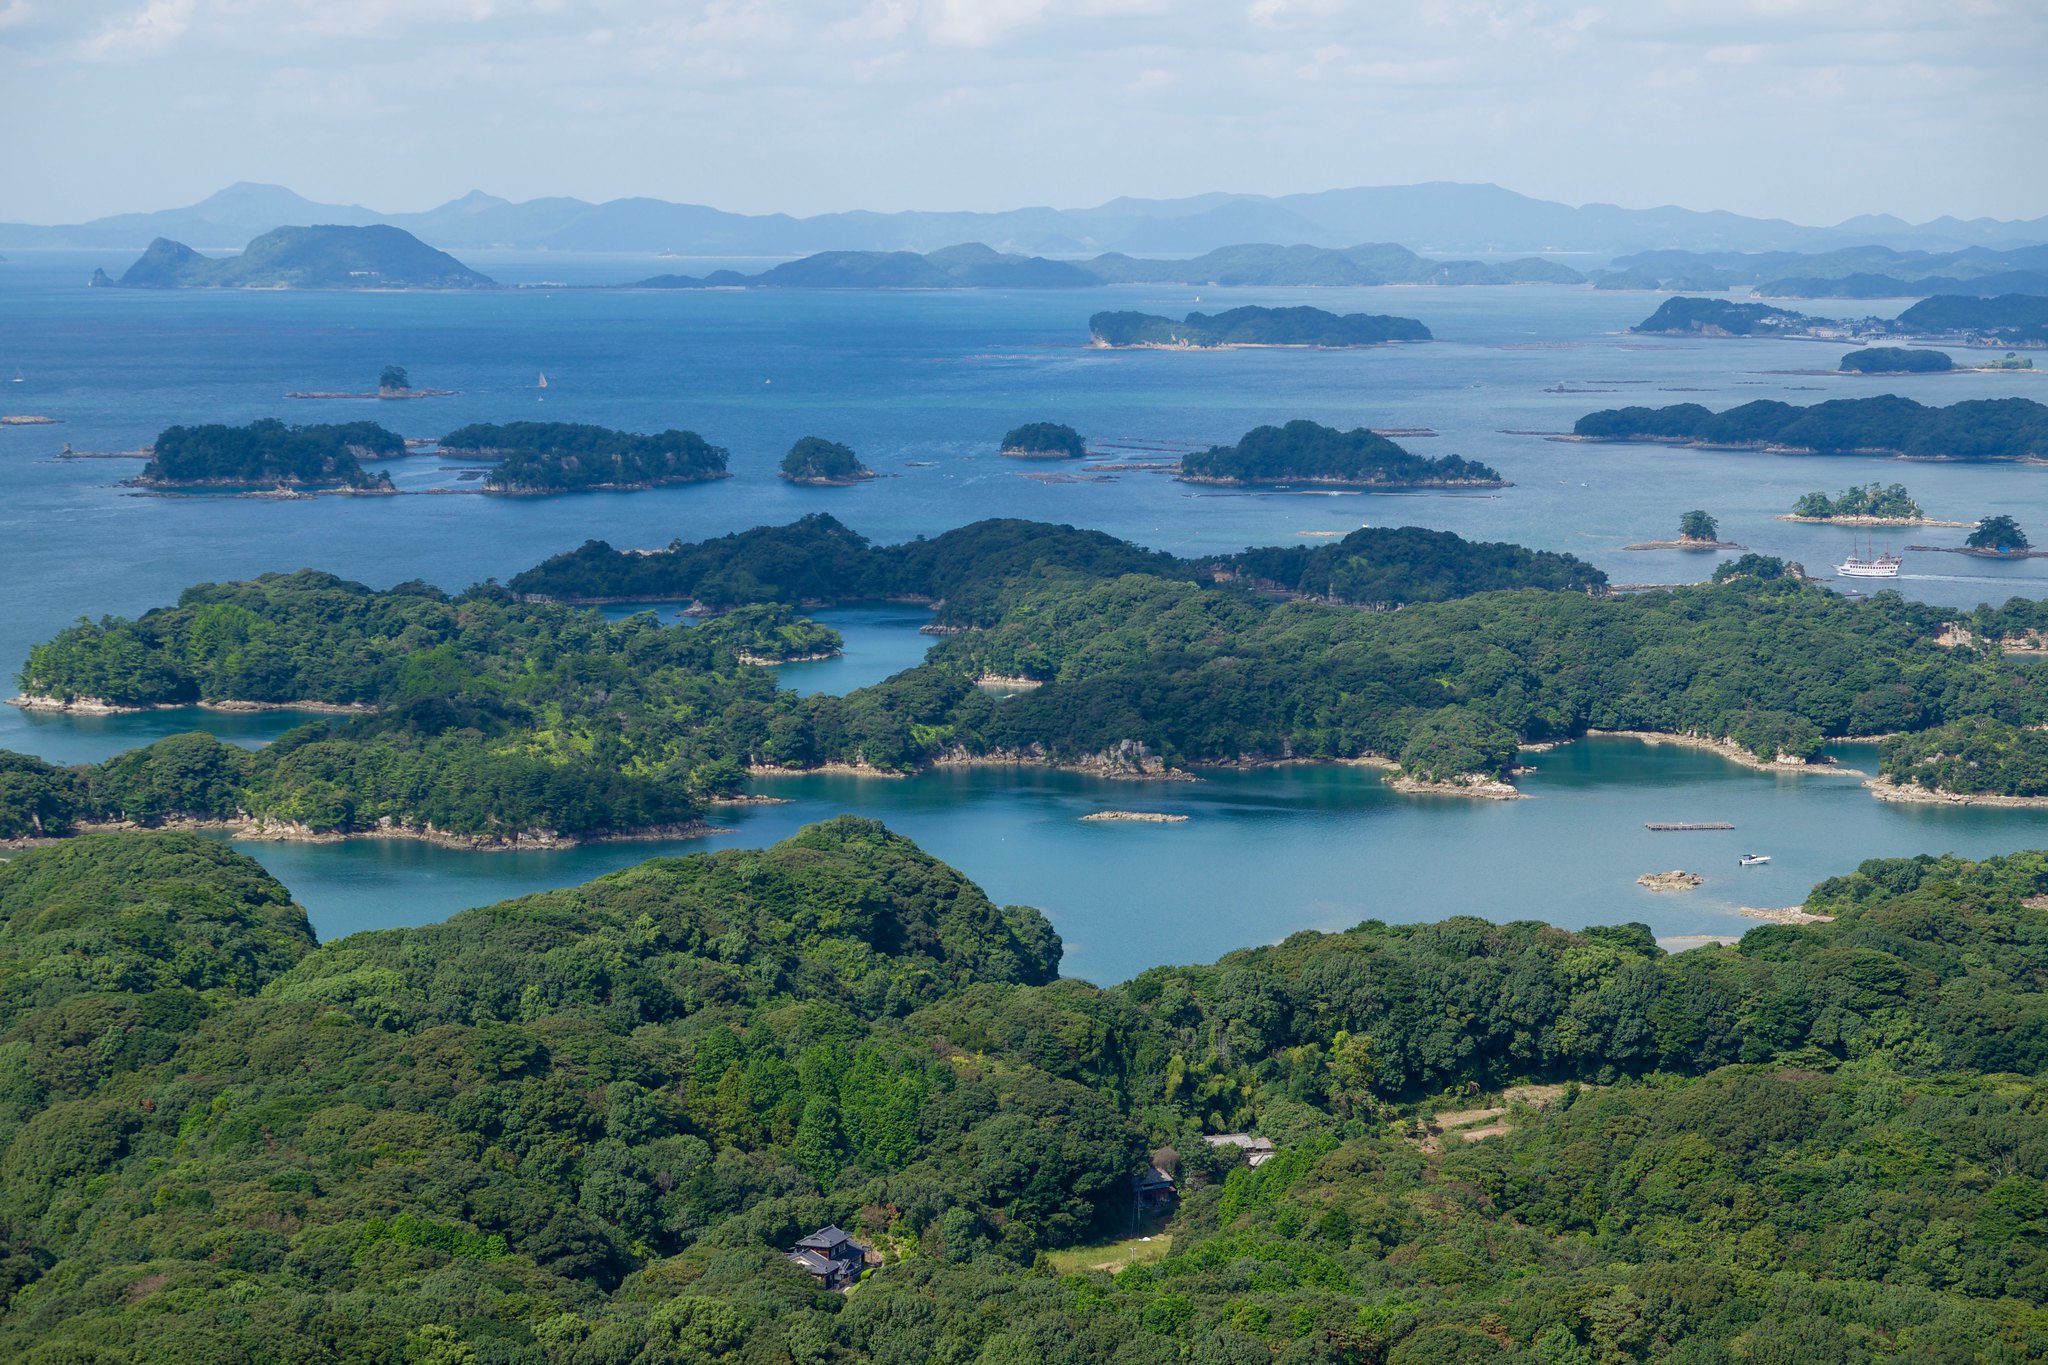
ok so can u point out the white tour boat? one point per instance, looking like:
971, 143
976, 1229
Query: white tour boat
1874, 565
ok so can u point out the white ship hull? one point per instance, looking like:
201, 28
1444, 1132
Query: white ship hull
1885, 566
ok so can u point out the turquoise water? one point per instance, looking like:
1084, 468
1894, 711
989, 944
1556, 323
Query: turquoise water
922, 384
1268, 852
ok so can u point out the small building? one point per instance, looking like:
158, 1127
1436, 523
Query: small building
832, 1257
1152, 1189
1257, 1150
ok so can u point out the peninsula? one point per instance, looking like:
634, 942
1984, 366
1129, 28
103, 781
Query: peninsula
1304, 452
269, 454
1252, 326
327, 257
539, 458
2006, 320
1951, 319
1724, 318
818, 463
1978, 429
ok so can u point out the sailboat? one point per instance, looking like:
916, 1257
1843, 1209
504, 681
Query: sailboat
17, 374
542, 385
1874, 565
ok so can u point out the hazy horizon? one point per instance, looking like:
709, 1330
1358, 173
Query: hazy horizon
1812, 111
457, 195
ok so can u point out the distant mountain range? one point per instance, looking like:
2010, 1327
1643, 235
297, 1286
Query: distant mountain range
1439, 217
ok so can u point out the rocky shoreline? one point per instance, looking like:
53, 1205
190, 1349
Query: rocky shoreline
1682, 543
1149, 817
1674, 880
253, 829
1875, 521
99, 706
1884, 789
1729, 750
824, 770
1791, 914
1474, 785
1360, 485
764, 661
1766, 448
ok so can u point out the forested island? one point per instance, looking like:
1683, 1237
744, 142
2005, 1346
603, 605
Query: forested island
269, 454
326, 257
1979, 429
1869, 504
971, 265
974, 265
1897, 360
587, 1124
1043, 441
1252, 326
1308, 452
819, 463
535, 458
491, 717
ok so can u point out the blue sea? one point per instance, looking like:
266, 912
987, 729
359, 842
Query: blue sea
923, 385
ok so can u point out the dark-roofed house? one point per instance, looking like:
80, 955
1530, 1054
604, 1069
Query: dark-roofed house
831, 1256
1153, 1189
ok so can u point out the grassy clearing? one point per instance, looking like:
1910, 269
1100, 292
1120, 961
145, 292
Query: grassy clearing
1113, 1256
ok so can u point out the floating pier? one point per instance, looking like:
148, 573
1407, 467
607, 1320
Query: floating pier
1687, 826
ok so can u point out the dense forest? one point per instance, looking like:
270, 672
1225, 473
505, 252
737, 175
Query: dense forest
1889, 501
1977, 429
581, 1127
268, 453
1393, 566
1043, 441
1897, 360
1982, 755
483, 717
1254, 326
1308, 452
817, 461
819, 561
569, 457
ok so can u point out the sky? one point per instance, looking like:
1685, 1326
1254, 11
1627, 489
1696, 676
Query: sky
1812, 110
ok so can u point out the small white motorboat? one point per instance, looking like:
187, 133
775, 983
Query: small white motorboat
1752, 859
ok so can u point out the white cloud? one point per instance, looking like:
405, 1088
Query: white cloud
142, 33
